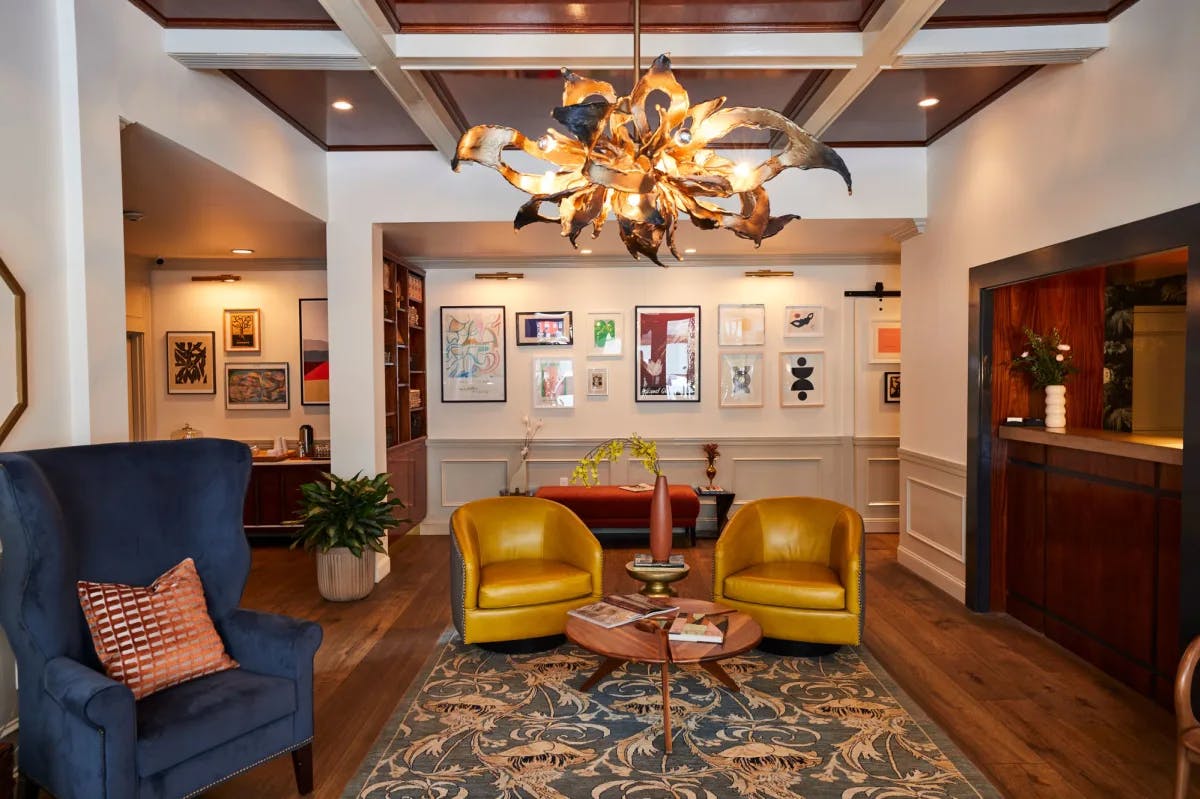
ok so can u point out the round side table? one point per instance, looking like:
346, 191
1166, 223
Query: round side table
657, 579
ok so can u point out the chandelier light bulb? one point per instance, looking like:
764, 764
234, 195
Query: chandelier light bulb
547, 144
635, 200
683, 137
742, 169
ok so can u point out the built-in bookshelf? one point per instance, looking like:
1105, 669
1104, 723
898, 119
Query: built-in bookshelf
407, 400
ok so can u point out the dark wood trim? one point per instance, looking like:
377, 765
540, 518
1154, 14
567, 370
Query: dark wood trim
150, 11
1170, 230
1020, 19
253, 24
808, 88
979, 106
446, 98
367, 148
389, 11
271, 104
875, 143
868, 12
1118, 9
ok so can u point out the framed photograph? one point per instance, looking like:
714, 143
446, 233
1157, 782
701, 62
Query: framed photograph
553, 383
605, 334
191, 362
668, 346
473, 353
243, 330
741, 380
801, 379
256, 386
891, 387
741, 325
804, 321
535, 328
314, 352
884, 341
597, 385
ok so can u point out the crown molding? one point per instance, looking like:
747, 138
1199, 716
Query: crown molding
908, 229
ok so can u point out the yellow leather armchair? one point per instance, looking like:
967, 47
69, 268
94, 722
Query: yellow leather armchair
795, 564
518, 564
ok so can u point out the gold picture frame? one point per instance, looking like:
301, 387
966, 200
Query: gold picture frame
243, 330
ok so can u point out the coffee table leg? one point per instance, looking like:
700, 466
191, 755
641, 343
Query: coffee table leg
606, 668
666, 702
714, 668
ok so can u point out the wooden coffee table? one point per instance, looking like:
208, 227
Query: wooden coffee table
620, 645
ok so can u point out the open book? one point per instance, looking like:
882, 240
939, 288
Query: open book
682, 629
617, 609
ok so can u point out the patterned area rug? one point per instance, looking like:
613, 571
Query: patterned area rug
480, 724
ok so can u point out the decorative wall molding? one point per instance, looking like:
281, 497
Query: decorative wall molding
932, 574
956, 496
933, 508
933, 462
877, 483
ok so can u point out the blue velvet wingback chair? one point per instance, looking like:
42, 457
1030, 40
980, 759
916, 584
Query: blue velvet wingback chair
126, 513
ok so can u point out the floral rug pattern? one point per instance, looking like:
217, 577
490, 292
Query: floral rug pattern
483, 724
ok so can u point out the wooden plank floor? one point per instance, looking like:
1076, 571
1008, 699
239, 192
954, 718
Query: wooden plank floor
1036, 719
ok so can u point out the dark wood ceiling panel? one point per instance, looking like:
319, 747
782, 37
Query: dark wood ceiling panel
968, 13
887, 111
524, 99
237, 13
608, 16
305, 98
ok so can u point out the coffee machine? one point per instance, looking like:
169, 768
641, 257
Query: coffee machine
305, 448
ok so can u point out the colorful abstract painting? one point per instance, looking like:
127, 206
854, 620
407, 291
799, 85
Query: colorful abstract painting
668, 344
473, 353
314, 352
605, 331
256, 386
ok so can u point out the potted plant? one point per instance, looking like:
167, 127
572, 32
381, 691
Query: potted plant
344, 520
1048, 361
587, 472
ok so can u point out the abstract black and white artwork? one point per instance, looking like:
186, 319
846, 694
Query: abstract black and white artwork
801, 379
803, 321
190, 362
742, 379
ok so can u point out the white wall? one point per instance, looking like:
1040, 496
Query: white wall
180, 304
1072, 150
767, 451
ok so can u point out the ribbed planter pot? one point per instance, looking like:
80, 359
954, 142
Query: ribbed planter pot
1056, 407
341, 577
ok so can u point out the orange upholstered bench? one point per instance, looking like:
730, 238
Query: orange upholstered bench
612, 506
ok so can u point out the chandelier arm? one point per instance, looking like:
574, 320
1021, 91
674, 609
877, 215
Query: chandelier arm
484, 144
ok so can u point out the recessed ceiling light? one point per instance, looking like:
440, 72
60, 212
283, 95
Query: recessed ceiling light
242, 251
343, 105
690, 251
585, 252
929, 102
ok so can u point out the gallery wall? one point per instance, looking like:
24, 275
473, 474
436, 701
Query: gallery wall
832, 450
1072, 150
180, 304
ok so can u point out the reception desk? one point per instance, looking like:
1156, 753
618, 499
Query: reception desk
1092, 523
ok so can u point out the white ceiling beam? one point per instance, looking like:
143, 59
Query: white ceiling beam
223, 48
892, 26
368, 30
1027, 45
615, 51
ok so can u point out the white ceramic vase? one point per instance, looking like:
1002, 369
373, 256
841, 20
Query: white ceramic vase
1056, 407
341, 577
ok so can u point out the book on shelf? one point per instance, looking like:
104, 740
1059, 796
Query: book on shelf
617, 609
646, 559
637, 487
709, 490
704, 632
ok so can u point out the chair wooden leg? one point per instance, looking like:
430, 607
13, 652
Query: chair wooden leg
302, 762
1183, 769
27, 788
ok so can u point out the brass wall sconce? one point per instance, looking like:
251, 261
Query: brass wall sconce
770, 273
499, 275
216, 278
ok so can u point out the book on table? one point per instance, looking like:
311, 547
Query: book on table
683, 629
645, 559
637, 488
617, 609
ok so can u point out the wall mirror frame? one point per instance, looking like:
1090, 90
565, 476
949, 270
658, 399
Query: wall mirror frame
21, 398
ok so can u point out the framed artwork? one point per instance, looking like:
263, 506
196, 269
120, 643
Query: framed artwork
243, 330
884, 341
741, 325
891, 387
801, 379
544, 327
314, 352
741, 380
553, 383
605, 334
668, 346
473, 353
191, 362
803, 321
597, 385
256, 386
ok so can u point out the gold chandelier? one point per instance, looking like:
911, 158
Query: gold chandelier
615, 161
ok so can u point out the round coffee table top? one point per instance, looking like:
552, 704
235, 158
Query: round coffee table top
627, 642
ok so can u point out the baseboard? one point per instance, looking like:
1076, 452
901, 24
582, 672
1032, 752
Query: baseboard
881, 525
9, 728
932, 574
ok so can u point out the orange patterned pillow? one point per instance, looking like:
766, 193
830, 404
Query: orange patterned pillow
153, 638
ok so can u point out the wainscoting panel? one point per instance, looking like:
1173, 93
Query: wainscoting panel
752, 467
877, 483
933, 510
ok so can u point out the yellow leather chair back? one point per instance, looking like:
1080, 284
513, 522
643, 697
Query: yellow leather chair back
793, 528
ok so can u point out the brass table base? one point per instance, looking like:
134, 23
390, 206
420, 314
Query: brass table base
657, 579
